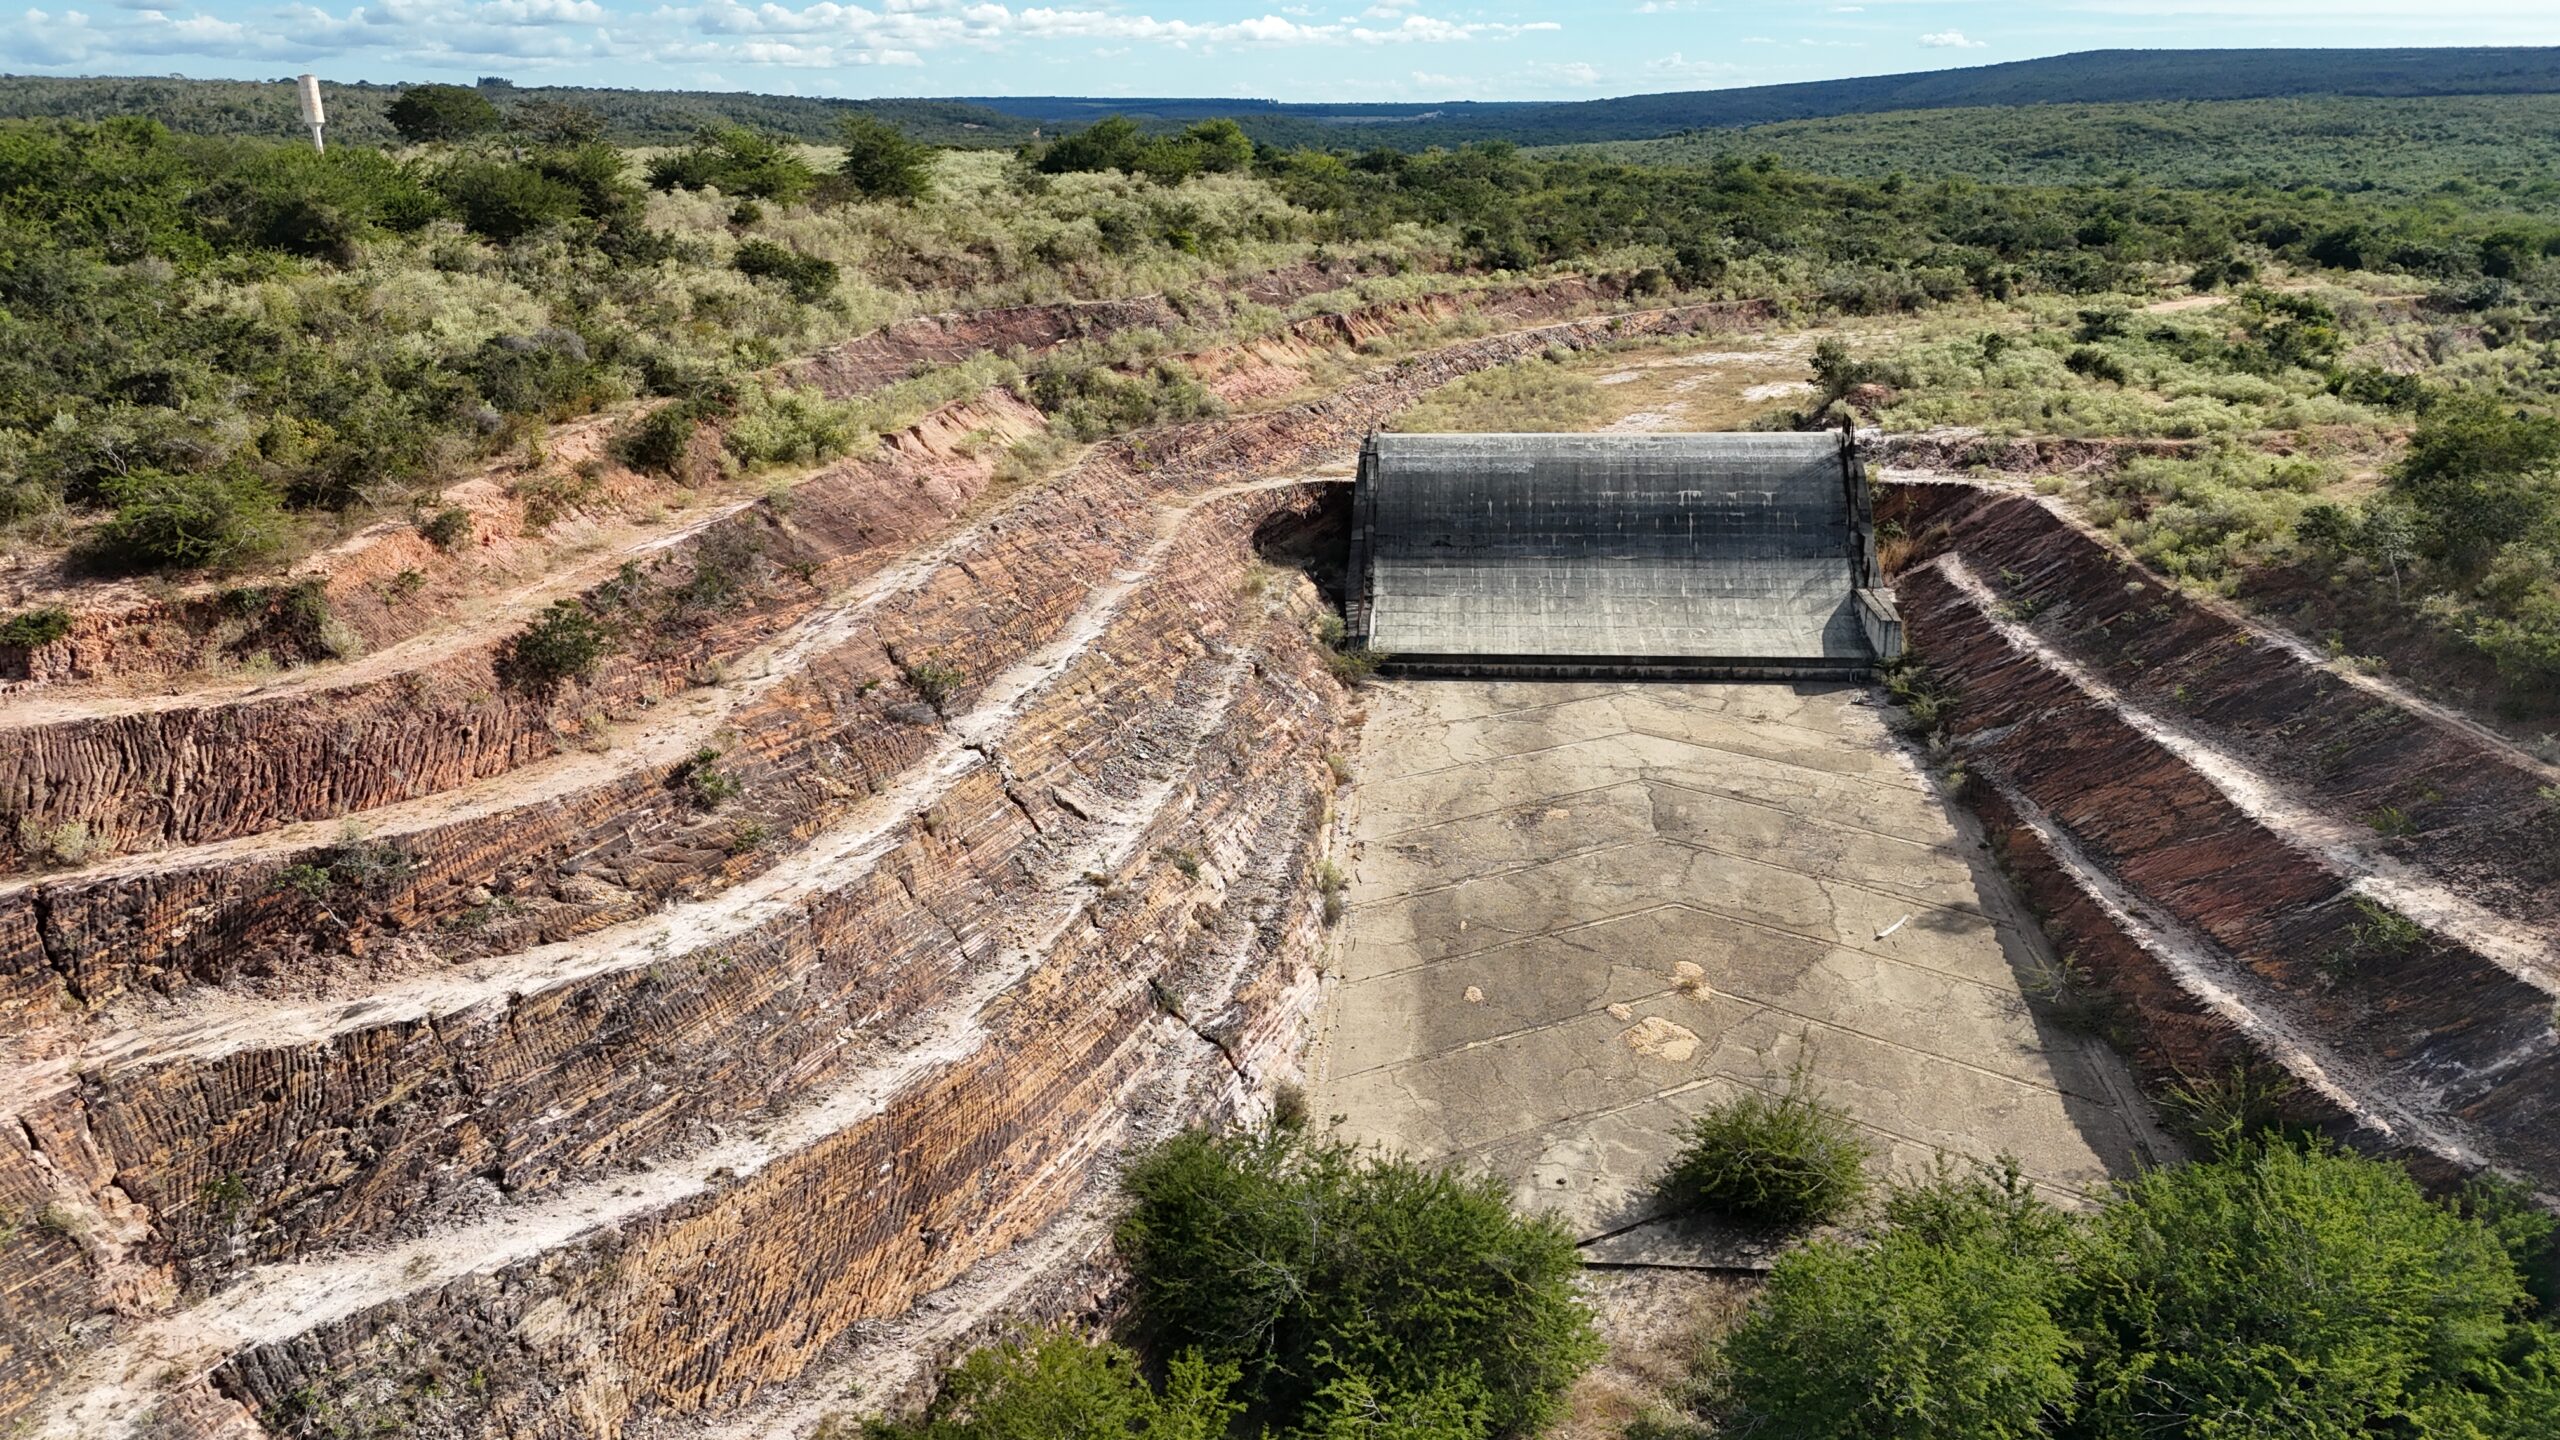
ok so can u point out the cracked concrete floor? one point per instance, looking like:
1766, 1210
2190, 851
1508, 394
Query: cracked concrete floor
1580, 913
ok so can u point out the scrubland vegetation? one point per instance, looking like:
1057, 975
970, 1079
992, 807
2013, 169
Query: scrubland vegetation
1286, 1285
2373, 450
2493, 150
210, 337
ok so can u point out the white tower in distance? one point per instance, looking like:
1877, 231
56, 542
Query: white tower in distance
312, 115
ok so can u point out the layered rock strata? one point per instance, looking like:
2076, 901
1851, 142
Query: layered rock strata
2263, 857
616, 1090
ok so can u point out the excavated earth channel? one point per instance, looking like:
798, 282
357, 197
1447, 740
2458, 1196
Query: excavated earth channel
818, 1040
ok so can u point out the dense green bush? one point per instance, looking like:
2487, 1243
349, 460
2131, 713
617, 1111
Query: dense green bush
1344, 1284
443, 112
807, 277
1055, 1386
2282, 1290
1943, 1329
659, 440
164, 521
881, 163
738, 162
1787, 1159
1116, 143
562, 644
42, 625
2482, 475
2316, 1292
1092, 401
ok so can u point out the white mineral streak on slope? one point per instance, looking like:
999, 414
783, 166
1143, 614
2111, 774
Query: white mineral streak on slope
662, 742
494, 615
113, 1390
2285, 640
2224, 986
219, 1025
2528, 955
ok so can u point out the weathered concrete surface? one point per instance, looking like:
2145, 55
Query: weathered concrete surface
1582, 913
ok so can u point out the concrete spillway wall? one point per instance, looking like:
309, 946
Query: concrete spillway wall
1710, 554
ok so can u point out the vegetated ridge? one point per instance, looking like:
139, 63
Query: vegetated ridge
2501, 149
658, 116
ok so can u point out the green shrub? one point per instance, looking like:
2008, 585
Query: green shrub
442, 112
2307, 1289
1346, 1285
706, 784
1944, 1329
881, 163
1789, 1159
2098, 364
738, 162
2282, 1290
2481, 475
1092, 401
447, 529
504, 201
659, 441
934, 680
1056, 1386
563, 644
808, 277
166, 521
32, 629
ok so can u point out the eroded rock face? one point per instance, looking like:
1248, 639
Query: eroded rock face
614, 1076
2193, 803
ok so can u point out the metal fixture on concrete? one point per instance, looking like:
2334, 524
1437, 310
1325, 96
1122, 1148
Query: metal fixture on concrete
1701, 556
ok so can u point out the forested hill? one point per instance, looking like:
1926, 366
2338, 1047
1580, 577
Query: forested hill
663, 116
2092, 77
267, 108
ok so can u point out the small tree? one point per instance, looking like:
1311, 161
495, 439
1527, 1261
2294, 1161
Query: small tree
2302, 1283
1113, 142
428, 113
555, 122
881, 163
1944, 1329
2481, 475
564, 643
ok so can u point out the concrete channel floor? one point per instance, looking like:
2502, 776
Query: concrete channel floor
1579, 913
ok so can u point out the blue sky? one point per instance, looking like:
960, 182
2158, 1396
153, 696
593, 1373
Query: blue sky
1283, 49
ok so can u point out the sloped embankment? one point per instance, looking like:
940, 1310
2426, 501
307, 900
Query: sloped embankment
623, 1091
531, 523
2260, 857
438, 712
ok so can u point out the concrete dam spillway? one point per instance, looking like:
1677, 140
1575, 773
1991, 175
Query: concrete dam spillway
1700, 556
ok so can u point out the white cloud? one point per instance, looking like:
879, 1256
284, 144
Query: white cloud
691, 35
1950, 40
1676, 63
